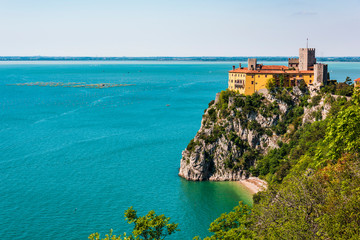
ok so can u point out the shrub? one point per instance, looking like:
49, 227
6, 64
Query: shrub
191, 146
280, 128
271, 85
268, 132
212, 114
315, 100
211, 103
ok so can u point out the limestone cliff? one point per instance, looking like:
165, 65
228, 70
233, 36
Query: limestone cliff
236, 129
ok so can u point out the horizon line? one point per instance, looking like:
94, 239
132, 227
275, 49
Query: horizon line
65, 56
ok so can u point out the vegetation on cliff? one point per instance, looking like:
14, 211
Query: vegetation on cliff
237, 131
314, 183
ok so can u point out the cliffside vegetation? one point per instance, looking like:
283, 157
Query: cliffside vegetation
237, 131
314, 183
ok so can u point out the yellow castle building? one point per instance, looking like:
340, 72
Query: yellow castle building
250, 79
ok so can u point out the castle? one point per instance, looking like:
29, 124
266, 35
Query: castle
247, 80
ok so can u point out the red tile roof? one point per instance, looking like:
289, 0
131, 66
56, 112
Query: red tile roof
273, 67
270, 69
357, 80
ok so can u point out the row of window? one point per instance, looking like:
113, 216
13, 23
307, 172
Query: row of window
238, 75
237, 81
252, 76
276, 76
252, 82
239, 86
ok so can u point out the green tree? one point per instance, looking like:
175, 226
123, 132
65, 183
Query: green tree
348, 81
233, 225
110, 236
148, 227
282, 80
271, 85
343, 132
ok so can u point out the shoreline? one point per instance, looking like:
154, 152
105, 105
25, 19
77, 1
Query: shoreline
254, 184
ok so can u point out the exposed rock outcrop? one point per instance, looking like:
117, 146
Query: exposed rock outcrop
235, 129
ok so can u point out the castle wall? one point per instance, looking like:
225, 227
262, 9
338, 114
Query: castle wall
261, 80
237, 82
311, 57
320, 74
293, 63
250, 84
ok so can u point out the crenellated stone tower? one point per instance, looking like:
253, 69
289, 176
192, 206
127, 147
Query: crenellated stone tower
307, 58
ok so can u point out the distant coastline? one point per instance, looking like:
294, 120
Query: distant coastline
204, 59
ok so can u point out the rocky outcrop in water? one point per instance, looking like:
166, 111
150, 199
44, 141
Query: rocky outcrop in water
235, 130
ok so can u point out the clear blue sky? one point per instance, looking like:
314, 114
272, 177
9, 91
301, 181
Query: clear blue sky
178, 27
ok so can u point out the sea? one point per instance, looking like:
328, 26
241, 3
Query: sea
72, 160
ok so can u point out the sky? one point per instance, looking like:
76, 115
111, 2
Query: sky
178, 27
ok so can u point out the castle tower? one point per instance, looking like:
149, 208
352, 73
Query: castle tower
252, 63
306, 58
320, 74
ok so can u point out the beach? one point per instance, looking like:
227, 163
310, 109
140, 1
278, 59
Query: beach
254, 184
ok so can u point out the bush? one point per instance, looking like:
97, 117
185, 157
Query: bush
224, 99
268, 132
211, 103
344, 89
280, 128
315, 100
317, 115
215, 135
212, 114
191, 146
304, 101
271, 85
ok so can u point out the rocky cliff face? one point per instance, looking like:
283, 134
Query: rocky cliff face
236, 129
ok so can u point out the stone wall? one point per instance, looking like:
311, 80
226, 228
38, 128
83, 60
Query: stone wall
320, 74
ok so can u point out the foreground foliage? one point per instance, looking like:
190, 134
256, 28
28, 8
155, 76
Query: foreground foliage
150, 226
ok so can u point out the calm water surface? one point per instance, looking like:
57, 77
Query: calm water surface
72, 160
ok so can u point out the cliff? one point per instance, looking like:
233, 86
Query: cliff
236, 130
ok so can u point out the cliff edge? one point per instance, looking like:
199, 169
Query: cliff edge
236, 129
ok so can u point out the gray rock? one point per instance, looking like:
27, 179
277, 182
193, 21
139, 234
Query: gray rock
213, 161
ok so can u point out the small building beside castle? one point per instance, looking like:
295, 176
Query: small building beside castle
248, 80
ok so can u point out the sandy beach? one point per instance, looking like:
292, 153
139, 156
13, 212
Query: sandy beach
254, 184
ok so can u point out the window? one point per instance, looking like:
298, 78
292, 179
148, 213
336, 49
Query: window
265, 75
252, 82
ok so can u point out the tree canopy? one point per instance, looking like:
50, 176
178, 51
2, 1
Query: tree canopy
148, 227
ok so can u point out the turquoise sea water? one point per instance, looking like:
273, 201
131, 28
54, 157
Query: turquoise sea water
72, 160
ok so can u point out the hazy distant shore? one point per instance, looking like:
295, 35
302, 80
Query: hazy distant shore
204, 59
